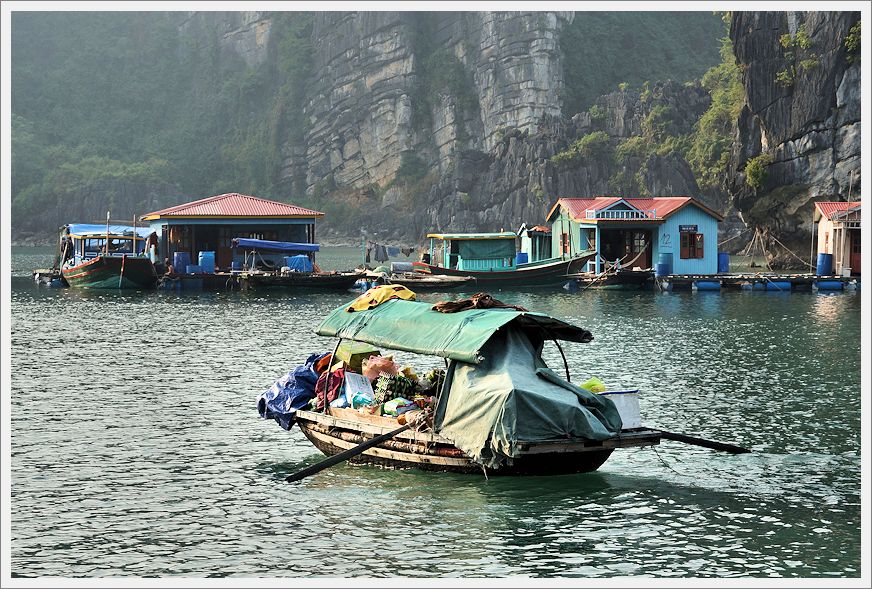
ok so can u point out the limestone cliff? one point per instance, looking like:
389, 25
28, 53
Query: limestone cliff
801, 120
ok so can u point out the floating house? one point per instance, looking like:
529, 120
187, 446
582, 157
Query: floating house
838, 227
211, 224
535, 243
638, 232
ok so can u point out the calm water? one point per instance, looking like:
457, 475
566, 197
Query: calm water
137, 449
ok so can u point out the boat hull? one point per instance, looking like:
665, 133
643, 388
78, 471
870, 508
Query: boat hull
345, 429
324, 281
533, 276
428, 282
624, 280
111, 272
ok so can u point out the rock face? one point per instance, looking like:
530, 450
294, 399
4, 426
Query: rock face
518, 181
803, 111
385, 86
89, 204
245, 34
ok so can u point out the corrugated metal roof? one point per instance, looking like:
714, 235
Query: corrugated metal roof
662, 205
470, 236
234, 205
832, 209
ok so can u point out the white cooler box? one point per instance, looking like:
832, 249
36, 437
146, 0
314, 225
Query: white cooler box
627, 403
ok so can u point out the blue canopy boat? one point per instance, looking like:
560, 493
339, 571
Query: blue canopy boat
106, 257
301, 270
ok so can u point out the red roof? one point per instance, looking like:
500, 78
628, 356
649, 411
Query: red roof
663, 206
233, 205
832, 209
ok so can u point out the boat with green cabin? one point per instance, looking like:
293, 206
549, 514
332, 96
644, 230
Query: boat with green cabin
491, 260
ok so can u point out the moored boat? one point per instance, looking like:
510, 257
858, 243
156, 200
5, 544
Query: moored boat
420, 281
620, 280
106, 257
491, 260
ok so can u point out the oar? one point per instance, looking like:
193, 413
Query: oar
703, 442
345, 455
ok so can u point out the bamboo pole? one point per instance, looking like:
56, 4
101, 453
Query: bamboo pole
811, 245
133, 251
844, 229
106, 245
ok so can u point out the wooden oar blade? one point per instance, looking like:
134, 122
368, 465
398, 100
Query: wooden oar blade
344, 455
711, 444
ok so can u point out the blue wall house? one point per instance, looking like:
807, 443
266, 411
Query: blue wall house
638, 232
211, 224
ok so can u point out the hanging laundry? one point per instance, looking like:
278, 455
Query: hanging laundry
381, 253
393, 251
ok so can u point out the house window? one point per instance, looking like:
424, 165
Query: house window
564, 243
691, 245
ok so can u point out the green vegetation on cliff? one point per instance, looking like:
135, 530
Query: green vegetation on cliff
603, 49
125, 96
710, 144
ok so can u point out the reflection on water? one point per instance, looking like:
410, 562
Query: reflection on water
137, 449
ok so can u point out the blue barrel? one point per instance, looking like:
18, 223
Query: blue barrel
723, 262
193, 269
667, 260
708, 284
521, 258
830, 285
207, 262
824, 265
662, 270
778, 285
181, 260
236, 265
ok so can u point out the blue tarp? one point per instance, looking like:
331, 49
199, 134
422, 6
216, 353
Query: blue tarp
300, 263
98, 230
274, 246
291, 392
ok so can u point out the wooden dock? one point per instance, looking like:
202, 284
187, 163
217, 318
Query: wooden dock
755, 281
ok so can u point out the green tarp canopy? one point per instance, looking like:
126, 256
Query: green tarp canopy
412, 326
511, 397
483, 249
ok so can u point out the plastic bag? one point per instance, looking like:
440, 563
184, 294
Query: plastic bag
375, 365
593, 385
398, 406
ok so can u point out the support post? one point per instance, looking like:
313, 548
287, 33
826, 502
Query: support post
597, 238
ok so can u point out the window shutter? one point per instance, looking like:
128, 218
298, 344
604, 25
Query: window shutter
699, 245
684, 238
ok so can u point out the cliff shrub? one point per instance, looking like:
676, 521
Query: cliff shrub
597, 113
852, 43
589, 146
755, 170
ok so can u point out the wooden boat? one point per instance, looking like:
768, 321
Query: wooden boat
534, 423
536, 274
420, 281
621, 280
303, 276
343, 429
490, 259
97, 257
